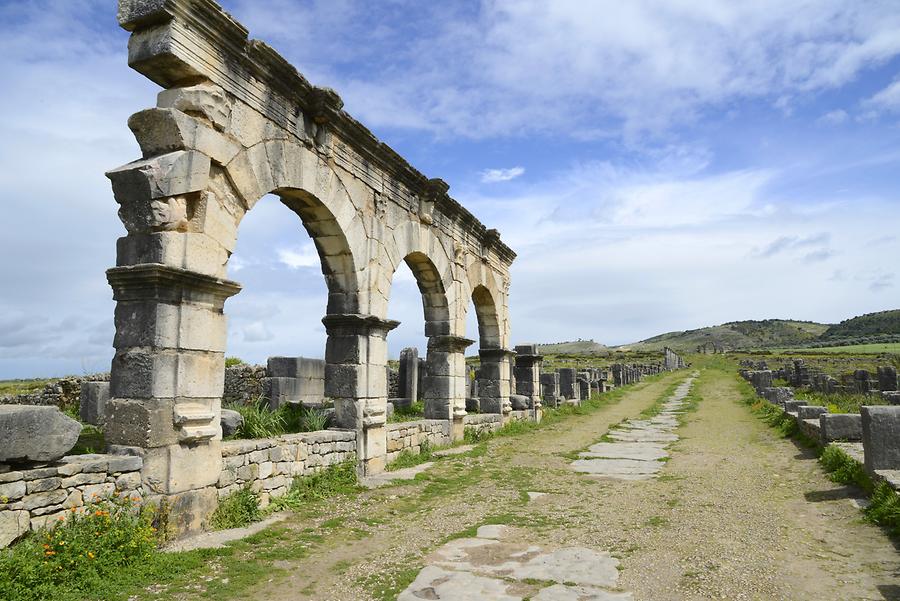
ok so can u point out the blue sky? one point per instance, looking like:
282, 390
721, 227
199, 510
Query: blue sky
656, 165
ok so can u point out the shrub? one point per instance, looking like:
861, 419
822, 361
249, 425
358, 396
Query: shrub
884, 508
313, 420
233, 361
240, 508
93, 543
259, 421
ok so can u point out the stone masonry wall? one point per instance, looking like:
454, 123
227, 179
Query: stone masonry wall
411, 435
483, 422
243, 383
269, 465
61, 393
31, 498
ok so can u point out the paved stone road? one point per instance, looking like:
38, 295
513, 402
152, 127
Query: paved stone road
639, 445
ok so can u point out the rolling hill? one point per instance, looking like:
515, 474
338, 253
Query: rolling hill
737, 335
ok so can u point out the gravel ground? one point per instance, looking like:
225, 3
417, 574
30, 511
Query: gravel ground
737, 513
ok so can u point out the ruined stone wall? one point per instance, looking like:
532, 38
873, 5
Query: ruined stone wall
483, 422
269, 465
410, 436
62, 393
32, 498
244, 383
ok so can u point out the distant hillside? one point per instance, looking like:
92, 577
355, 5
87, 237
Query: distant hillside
578, 347
872, 324
738, 335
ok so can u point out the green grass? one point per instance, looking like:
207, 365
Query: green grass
865, 349
91, 440
262, 422
334, 480
78, 556
840, 402
14, 387
843, 469
240, 508
406, 458
414, 412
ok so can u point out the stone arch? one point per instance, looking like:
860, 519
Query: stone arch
444, 381
309, 187
495, 373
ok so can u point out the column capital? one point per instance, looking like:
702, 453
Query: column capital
163, 283
496, 354
357, 324
449, 343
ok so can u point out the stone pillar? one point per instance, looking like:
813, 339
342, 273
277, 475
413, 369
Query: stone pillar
167, 380
409, 375
887, 378
494, 389
568, 384
528, 373
446, 383
355, 378
550, 389
881, 437
617, 375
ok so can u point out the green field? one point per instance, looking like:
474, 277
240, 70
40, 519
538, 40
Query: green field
853, 349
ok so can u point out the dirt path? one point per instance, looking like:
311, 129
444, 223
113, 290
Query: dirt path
736, 513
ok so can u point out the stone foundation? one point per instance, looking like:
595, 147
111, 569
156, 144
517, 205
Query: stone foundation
411, 435
268, 465
32, 498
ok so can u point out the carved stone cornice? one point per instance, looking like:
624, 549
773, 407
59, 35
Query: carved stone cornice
357, 324
162, 283
449, 343
180, 42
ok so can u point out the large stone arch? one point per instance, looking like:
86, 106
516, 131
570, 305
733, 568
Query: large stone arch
487, 288
235, 122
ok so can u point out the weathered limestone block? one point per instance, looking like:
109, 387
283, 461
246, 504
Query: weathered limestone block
161, 131
206, 99
793, 406
94, 396
13, 525
152, 192
810, 412
568, 383
520, 402
840, 426
887, 377
891, 396
35, 433
409, 375
231, 421
881, 437
550, 389
778, 395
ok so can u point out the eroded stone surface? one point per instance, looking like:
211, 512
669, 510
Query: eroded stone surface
494, 565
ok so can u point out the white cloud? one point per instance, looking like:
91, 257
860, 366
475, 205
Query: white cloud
886, 100
835, 117
303, 256
257, 332
586, 69
490, 176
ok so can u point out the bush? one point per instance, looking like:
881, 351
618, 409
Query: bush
262, 422
233, 361
240, 508
93, 543
259, 421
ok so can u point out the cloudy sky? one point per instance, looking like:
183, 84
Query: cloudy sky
657, 165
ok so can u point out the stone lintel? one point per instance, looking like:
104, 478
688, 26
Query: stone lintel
178, 42
449, 343
162, 283
358, 324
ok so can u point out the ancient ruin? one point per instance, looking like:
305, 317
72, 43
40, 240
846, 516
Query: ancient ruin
233, 123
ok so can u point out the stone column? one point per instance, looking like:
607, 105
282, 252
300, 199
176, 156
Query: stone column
494, 389
568, 385
445, 382
409, 375
355, 378
167, 381
550, 389
528, 374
